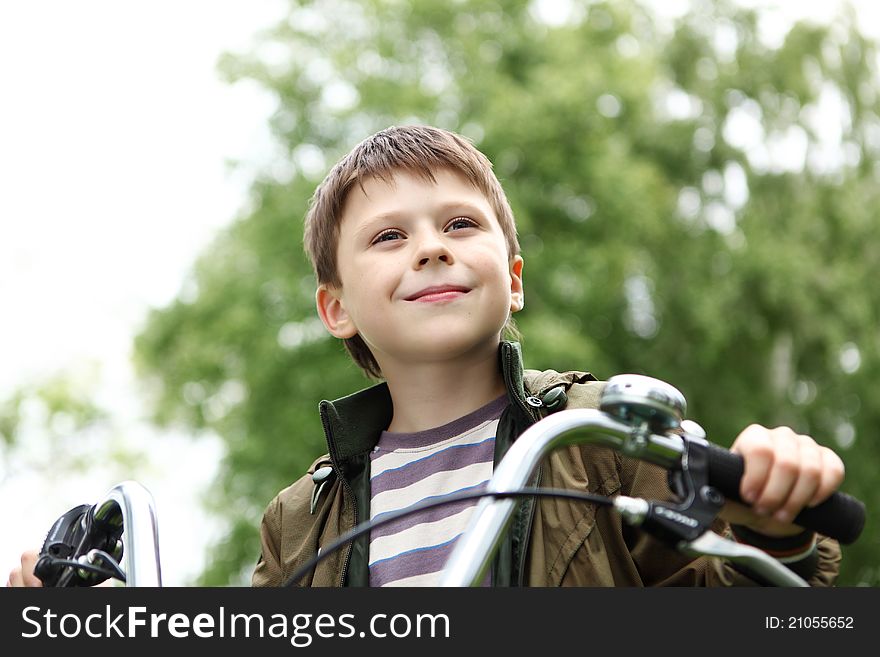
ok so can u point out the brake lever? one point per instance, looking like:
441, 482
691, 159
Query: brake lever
686, 526
754, 560
700, 503
76, 535
62, 541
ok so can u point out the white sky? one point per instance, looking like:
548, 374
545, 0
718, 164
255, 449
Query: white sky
114, 133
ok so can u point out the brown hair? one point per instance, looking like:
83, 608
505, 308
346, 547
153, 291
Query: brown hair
419, 150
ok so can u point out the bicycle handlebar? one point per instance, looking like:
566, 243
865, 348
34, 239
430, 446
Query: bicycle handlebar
135, 505
639, 417
126, 514
841, 516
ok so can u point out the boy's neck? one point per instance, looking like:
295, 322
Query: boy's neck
429, 395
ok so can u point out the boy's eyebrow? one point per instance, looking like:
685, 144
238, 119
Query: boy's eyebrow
393, 215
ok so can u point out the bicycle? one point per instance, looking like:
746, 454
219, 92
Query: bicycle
123, 524
640, 416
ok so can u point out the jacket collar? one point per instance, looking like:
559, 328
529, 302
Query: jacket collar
353, 424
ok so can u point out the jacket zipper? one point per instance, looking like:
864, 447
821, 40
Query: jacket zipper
350, 547
533, 413
347, 487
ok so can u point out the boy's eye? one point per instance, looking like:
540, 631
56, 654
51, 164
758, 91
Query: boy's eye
387, 236
461, 222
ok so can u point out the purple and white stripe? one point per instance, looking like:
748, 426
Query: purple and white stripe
410, 468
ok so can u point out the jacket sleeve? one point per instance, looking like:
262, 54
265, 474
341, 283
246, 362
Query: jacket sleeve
268, 570
285, 532
660, 565
292, 531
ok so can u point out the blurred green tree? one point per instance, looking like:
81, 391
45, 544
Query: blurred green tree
693, 202
54, 427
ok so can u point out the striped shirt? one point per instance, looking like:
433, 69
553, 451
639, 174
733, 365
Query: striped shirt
407, 468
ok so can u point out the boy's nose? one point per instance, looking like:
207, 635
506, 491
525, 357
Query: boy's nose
433, 249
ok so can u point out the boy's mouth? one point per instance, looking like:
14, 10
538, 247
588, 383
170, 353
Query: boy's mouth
438, 293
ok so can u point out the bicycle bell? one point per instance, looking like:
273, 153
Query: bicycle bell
639, 400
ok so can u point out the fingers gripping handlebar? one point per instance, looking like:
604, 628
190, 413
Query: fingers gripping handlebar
840, 516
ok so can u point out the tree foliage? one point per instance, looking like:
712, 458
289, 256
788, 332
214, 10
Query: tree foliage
54, 427
693, 203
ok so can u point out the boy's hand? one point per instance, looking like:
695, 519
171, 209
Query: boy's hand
24, 575
784, 472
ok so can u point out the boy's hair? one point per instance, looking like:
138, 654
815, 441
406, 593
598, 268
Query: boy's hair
419, 150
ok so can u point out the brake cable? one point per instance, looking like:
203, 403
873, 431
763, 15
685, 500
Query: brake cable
113, 571
672, 523
386, 518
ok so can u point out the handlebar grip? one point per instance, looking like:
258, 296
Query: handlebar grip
841, 516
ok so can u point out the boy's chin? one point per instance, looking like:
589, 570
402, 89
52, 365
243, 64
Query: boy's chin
439, 346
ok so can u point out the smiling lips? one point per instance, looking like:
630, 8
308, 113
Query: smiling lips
438, 293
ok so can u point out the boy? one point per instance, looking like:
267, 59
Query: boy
418, 269
415, 252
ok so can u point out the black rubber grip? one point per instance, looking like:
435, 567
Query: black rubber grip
841, 516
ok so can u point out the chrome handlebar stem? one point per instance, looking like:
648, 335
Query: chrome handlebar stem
130, 504
476, 546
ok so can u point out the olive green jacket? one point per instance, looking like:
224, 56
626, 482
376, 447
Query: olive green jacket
551, 542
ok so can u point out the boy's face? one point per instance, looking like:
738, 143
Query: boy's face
424, 268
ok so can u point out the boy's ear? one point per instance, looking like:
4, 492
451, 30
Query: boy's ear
517, 296
333, 313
